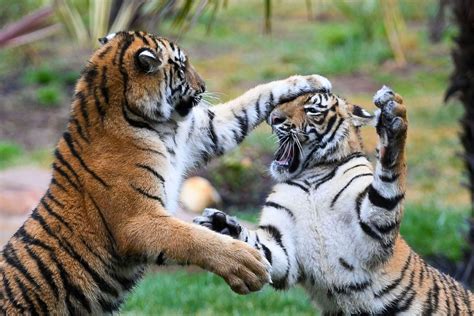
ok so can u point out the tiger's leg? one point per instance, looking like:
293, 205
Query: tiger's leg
273, 238
157, 235
221, 128
379, 206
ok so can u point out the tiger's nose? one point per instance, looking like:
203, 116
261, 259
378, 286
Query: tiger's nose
277, 118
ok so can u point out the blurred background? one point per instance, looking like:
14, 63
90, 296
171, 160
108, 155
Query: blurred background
236, 44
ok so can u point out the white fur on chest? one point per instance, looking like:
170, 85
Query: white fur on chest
325, 232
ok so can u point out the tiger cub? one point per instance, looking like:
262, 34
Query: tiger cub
137, 125
332, 222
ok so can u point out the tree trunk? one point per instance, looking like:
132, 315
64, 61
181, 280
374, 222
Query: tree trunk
462, 87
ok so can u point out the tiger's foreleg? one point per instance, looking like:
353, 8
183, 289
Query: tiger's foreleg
226, 125
159, 236
380, 205
273, 238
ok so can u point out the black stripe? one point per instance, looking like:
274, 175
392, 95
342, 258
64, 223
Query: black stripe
243, 125
83, 106
148, 195
100, 282
453, 290
330, 139
59, 185
269, 105
346, 265
257, 107
109, 307
396, 282
79, 130
89, 74
104, 52
293, 183
347, 185
63, 161
442, 280
380, 201
212, 133
268, 253
365, 228
466, 299
384, 229
12, 259
104, 89
48, 276
70, 144
143, 38
11, 297
52, 198
160, 260
135, 123
279, 207
30, 240
277, 236
68, 286
54, 214
152, 171
386, 178
331, 123
149, 150
98, 105
356, 166
110, 236
65, 176
393, 307
24, 292
432, 306
354, 287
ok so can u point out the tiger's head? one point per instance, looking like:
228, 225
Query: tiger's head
315, 128
152, 76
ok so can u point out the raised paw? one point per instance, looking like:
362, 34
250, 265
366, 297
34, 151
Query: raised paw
219, 222
392, 119
241, 266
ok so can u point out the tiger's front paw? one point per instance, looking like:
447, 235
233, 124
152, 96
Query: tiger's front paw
219, 222
393, 120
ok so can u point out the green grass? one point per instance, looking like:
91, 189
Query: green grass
183, 293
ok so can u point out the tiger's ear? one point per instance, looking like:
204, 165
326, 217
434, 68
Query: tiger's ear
361, 117
147, 60
106, 39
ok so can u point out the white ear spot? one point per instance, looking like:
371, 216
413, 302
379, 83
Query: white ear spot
107, 38
148, 54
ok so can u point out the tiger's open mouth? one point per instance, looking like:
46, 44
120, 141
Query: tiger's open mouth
288, 155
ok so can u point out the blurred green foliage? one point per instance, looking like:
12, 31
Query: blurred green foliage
48, 96
9, 152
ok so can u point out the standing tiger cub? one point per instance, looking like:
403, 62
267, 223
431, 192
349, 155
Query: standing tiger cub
332, 223
136, 126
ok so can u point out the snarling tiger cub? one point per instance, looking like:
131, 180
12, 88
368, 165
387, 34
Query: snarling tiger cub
332, 223
136, 126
